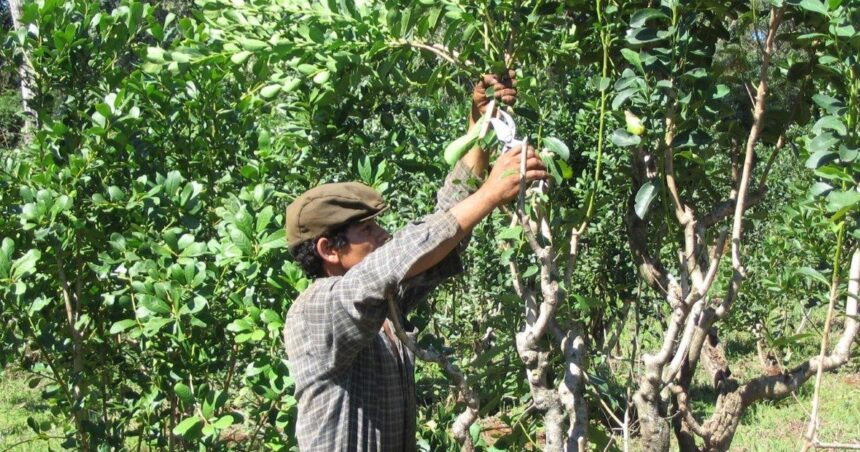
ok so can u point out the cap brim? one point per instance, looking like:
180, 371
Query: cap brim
373, 215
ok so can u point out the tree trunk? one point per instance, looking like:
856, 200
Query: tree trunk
25, 74
654, 427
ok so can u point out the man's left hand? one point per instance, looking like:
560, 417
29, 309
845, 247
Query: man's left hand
504, 91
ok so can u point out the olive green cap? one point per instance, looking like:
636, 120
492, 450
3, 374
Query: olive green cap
324, 208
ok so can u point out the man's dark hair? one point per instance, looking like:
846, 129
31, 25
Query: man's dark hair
305, 253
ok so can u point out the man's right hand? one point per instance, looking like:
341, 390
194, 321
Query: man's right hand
503, 184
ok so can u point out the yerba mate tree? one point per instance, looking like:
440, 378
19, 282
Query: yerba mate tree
686, 92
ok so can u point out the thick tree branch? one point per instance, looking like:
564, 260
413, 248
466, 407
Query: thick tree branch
725, 208
571, 387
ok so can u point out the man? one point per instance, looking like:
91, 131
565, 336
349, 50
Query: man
354, 379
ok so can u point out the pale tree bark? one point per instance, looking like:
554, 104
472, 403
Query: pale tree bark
559, 401
25, 74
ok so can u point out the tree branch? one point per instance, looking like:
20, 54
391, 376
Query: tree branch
440, 51
752, 139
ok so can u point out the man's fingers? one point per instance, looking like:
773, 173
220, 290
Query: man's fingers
515, 151
501, 92
534, 175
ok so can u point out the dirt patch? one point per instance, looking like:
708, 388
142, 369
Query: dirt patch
795, 427
493, 428
853, 379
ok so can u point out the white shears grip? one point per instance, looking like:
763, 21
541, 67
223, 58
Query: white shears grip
505, 129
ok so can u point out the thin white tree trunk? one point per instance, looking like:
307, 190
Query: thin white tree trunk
25, 73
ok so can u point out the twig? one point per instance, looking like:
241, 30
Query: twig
820, 445
440, 51
812, 429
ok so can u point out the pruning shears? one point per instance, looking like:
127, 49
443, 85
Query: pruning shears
506, 131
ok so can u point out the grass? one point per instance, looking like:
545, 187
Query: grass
18, 402
779, 426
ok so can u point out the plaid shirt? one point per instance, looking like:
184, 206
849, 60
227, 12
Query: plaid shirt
354, 392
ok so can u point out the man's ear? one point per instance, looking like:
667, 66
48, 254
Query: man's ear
327, 252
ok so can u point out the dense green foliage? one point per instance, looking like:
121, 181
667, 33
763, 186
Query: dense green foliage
143, 270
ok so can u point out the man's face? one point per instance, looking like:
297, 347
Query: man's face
363, 238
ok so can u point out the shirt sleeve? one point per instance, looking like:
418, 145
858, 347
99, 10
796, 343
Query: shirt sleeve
459, 184
358, 297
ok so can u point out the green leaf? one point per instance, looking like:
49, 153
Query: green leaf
307, 69
458, 148
190, 428
155, 54
269, 91
820, 158
171, 183
257, 335
184, 241
837, 200
252, 44
820, 189
557, 147
647, 192
847, 154
184, 393
25, 264
633, 58
475, 432
815, 6
822, 142
238, 325
621, 138
290, 84
322, 77
240, 57
223, 422
213, 402
814, 274
510, 233
194, 249
622, 97
790, 340
645, 35
644, 15
721, 91
531, 271
830, 104
264, 217
603, 83
122, 325
695, 139
270, 316
154, 304
831, 123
